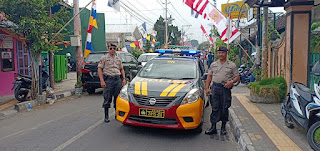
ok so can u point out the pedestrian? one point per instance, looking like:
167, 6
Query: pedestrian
112, 78
222, 74
210, 59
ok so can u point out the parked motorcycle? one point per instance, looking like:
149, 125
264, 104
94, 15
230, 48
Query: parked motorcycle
22, 85
302, 107
246, 75
71, 63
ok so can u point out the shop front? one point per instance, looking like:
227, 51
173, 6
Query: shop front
14, 58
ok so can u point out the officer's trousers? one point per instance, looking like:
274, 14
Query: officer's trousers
220, 101
112, 91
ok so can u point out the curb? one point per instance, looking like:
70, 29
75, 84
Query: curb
244, 142
41, 100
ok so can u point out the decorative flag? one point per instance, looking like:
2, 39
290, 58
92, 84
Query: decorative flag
205, 34
148, 37
143, 30
132, 45
222, 25
118, 40
115, 4
172, 34
137, 44
140, 43
129, 47
194, 14
153, 42
92, 23
197, 5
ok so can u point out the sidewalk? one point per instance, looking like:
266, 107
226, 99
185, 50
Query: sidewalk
62, 89
261, 126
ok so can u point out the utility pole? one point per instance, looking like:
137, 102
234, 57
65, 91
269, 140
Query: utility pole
257, 61
77, 31
166, 25
265, 42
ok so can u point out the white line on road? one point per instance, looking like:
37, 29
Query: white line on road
73, 139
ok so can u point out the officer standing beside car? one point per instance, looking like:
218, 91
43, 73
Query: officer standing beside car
222, 74
112, 78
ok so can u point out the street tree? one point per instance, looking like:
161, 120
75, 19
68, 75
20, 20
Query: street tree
194, 43
159, 26
37, 25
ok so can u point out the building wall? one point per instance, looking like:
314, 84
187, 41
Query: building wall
7, 78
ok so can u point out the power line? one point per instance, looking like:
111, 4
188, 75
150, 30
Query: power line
143, 19
146, 8
148, 19
139, 10
179, 13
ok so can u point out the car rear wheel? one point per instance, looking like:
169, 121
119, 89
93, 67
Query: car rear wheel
91, 90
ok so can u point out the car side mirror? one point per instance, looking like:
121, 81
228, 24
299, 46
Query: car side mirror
139, 63
134, 73
204, 76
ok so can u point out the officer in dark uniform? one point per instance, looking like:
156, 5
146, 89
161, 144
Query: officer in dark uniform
110, 71
222, 74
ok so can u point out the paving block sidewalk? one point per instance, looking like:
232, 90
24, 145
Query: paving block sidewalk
65, 88
263, 125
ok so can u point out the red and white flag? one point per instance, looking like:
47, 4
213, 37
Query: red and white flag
205, 34
197, 5
224, 26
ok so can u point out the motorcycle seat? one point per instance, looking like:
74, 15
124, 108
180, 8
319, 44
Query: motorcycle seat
304, 92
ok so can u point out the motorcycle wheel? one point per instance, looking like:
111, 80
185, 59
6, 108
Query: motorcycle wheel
313, 136
236, 84
91, 90
20, 96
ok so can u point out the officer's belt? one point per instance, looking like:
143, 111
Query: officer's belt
217, 84
111, 77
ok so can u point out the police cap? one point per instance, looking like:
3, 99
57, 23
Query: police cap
111, 45
223, 48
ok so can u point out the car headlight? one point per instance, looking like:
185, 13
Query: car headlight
192, 96
124, 92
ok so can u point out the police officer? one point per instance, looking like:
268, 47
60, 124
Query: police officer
109, 70
222, 74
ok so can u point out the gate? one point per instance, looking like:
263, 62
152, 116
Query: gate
60, 67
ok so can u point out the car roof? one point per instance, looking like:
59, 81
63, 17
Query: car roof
175, 58
98, 52
154, 54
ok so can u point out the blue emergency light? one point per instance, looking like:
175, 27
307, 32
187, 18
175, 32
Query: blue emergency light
190, 52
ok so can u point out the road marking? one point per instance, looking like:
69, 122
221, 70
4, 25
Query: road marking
73, 139
279, 138
4, 106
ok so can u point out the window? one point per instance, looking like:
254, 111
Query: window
131, 59
7, 60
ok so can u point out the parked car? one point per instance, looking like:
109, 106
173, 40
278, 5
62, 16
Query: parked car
144, 58
90, 78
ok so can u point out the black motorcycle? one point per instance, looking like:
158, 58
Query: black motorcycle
22, 85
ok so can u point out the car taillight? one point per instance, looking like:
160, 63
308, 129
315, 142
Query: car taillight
85, 71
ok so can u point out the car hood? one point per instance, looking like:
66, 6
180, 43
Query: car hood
160, 87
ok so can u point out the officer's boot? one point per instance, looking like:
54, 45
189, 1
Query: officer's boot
106, 115
223, 128
212, 130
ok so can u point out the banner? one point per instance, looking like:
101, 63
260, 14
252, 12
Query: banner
205, 34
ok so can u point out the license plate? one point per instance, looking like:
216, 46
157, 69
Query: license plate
156, 113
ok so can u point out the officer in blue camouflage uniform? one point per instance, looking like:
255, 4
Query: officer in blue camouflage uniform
112, 78
222, 74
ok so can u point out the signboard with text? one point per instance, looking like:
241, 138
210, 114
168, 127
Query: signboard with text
234, 9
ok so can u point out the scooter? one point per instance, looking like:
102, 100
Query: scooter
302, 107
246, 75
22, 85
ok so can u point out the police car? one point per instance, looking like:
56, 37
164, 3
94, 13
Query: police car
168, 92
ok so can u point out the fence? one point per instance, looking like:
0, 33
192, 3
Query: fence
60, 67
314, 57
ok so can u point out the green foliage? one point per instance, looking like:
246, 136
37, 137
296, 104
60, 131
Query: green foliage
194, 43
204, 45
148, 46
35, 22
258, 74
79, 82
315, 38
276, 87
317, 135
136, 52
159, 26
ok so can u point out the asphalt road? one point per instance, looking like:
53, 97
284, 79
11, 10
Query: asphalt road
77, 124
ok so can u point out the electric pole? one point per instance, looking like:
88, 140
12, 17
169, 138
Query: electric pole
77, 31
166, 24
257, 61
265, 42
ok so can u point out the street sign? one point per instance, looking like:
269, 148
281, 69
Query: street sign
234, 9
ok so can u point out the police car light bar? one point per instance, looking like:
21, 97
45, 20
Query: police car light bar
190, 52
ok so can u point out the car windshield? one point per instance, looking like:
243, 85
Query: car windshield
94, 57
145, 58
169, 69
